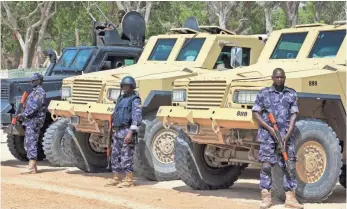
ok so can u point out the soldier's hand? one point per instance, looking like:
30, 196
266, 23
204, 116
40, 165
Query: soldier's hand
128, 138
285, 139
272, 132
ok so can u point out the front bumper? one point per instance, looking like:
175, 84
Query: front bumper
223, 117
213, 124
90, 114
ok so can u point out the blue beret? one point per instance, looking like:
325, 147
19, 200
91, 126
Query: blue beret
36, 76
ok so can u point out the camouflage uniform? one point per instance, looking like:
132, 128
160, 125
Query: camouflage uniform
126, 118
122, 153
33, 119
283, 104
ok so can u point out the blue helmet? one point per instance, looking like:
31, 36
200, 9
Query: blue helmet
36, 76
128, 80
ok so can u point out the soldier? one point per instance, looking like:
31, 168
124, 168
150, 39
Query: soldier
126, 120
283, 102
33, 118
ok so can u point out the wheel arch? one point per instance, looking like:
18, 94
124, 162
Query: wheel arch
326, 107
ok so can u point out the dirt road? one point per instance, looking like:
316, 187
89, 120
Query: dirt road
69, 188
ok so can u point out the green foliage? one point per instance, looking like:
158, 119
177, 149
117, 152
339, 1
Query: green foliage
164, 15
278, 19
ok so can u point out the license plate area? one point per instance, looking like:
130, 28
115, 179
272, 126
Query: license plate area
193, 128
75, 120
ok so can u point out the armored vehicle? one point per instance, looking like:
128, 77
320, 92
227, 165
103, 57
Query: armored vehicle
89, 100
108, 51
217, 136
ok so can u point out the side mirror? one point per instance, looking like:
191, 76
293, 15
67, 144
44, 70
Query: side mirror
106, 65
236, 57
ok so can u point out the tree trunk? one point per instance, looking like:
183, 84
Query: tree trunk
41, 37
148, 11
222, 22
59, 44
31, 51
268, 20
291, 9
77, 37
16, 61
25, 61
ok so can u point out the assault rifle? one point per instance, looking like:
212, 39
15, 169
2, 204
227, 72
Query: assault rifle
280, 144
18, 110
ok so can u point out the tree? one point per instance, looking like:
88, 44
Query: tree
143, 7
268, 7
222, 10
11, 20
290, 9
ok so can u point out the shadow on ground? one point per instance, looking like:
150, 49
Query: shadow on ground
109, 175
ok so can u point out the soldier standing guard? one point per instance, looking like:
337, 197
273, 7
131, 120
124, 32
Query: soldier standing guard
283, 102
33, 118
126, 119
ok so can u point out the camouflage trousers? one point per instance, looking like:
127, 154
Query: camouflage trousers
122, 156
31, 140
268, 155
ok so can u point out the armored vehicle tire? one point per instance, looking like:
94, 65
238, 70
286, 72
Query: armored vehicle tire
189, 158
158, 152
318, 148
53, 144
97, 161
343, 176
16, 146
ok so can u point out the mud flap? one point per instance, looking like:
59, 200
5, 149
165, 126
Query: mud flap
79, 147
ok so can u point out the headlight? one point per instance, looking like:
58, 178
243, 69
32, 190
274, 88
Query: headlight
179, 96
245, 96
65, 92
113, 94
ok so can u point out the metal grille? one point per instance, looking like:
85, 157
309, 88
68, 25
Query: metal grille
84, 91
203, 95
5, 92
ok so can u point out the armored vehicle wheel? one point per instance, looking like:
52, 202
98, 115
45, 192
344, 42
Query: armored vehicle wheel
97, 159
319, 162
53, 144
343, 176
16, 146
158, 152
191, 165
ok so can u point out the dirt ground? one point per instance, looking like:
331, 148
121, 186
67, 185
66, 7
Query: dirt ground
56, 187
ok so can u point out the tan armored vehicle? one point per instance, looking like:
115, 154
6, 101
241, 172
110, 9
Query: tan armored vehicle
89, 100
217, 139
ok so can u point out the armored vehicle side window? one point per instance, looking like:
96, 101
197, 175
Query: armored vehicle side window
66, 58
288, 46
190, 49
162, 49
81, 59
327, 44
114, 61
231, 57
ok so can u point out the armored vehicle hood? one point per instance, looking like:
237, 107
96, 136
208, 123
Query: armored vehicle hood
141, 72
